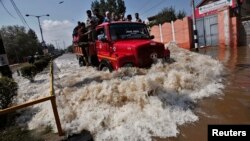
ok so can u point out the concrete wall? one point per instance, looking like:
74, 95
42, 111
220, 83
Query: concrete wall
182, 30
227, 30
227, 26
234, 32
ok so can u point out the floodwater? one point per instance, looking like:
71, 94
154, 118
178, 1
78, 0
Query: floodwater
231, 108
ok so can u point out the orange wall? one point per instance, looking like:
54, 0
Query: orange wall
221, 28
232, 30
183, 32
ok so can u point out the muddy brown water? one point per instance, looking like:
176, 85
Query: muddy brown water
233, 107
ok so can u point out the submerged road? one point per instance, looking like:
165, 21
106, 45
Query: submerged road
231, 108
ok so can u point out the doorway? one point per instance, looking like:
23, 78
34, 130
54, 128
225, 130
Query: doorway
207, 29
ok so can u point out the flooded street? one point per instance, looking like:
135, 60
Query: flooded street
231, 108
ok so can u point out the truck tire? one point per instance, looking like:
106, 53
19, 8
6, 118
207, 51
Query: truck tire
105, 65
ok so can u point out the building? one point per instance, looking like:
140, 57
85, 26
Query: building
222, 23
219, 21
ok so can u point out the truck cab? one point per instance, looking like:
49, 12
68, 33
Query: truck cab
124, 44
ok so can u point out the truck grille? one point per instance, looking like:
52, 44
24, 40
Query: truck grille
144, 53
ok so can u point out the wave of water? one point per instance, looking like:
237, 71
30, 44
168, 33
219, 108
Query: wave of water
128, 104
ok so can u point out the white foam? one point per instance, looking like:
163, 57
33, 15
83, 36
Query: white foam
128, 104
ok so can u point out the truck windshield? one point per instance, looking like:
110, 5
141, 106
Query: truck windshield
128, 31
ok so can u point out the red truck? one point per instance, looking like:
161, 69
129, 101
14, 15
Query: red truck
122, 44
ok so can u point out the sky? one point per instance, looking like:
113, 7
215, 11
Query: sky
58, 27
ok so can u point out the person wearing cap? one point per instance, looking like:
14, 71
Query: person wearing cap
91, 24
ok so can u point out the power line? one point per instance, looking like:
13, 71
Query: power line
158, 4
143, 6
19, 14
7, 9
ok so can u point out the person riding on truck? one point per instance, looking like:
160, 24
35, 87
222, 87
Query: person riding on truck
91, 23
75, 33
83, 41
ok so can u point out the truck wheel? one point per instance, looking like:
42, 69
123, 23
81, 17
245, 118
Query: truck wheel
104, 66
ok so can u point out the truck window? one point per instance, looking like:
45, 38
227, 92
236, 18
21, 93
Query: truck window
128, 31
101, 34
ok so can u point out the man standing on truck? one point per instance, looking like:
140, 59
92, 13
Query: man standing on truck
91, 23
83, 41
75, 32
137, 18
129, 18
98, 16
122, 17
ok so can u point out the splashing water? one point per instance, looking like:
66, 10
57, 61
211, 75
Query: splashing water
128, 104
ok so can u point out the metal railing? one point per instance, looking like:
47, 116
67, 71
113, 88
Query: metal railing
52, 99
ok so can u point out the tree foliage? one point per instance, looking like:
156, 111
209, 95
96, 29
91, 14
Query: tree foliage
167, 14
19, 43
116, 6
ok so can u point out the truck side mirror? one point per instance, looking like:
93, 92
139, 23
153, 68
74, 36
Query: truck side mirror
152, 37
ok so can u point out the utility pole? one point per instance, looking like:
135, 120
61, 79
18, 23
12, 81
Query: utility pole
194, 27
41, 31
4, 63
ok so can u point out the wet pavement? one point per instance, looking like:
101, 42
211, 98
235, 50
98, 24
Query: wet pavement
233, 107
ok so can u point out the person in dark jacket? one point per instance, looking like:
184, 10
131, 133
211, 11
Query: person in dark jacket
137, 18
129, 18
98, 16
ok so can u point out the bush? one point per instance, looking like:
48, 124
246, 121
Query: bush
29, 71
47, 58
8, 89
40, 65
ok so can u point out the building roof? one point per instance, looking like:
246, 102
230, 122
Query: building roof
203, 2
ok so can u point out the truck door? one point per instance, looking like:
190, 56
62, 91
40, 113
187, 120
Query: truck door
102, 44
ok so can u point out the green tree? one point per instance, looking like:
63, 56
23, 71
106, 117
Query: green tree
34, 41
167, 14
116, 6
19, 43
112, 6
95, 5
121, 8
181, 15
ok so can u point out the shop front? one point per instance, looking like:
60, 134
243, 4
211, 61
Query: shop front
216, 23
